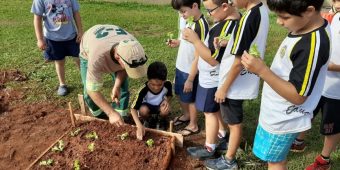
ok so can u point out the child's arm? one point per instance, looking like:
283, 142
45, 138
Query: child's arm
280, 86
140, 128
203, 51
79, 25
37, 21
188, 85
333, 67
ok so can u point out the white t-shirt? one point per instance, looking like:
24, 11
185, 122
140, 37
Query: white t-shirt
186, 50
208, 74
332, 83
251, 29
302, 61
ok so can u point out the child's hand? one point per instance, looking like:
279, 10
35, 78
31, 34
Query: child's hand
190, 35
219, 43
79, 36
188, 85
173, 43
253, 64
41, 44
140, 132
220, 95
164, 107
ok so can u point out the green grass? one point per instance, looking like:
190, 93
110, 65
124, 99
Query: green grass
150, 24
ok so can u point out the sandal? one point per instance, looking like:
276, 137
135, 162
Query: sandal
188, 132
178, 121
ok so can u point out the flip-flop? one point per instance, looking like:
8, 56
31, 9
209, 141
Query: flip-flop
190, 132
178, 121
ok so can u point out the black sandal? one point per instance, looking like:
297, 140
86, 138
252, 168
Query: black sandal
178, 121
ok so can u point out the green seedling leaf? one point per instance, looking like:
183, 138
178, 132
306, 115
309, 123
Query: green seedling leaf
91, 147
47, 162
75, 132
124, 136
59, 147
91, 135
150, 142
224, 38
76, 165
170, 35
190, 21
254, 51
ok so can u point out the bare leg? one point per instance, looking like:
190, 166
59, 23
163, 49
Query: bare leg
60, 69
330, 144
277, 165
234, 140
211, 126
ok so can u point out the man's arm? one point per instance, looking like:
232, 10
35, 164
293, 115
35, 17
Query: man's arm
120, 77
37, 22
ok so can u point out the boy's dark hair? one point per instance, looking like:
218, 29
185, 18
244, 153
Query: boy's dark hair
157, 70
220, 2
294, 7
177, 4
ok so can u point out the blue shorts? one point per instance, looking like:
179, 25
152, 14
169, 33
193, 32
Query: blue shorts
58, 50
180, 79
205, 100
272, 147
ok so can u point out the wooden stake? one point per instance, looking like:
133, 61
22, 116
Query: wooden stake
82, 104
71, 114
171, 126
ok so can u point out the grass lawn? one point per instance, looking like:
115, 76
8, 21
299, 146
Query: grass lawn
150, 24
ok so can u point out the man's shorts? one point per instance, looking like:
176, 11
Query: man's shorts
272, 147
180, 79
330, 117
232, 111
58, 50
205, 100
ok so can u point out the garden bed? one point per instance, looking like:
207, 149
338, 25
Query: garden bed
108, 149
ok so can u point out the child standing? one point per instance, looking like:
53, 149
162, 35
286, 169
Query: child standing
186, 67
236, 83
60, 36
294, 83
225, 17
153, 99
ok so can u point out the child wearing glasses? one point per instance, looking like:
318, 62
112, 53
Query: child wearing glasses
225, 17
153, 100
186, 78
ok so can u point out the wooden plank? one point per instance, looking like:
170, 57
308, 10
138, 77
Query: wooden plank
178, 137
71, 114
82, 104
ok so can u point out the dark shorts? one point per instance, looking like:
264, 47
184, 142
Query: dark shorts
58, 50
180, 79
205, 100
232, 111
330, 118
153, 109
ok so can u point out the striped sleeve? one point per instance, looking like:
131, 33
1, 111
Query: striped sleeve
246, 31
201, 28
308, 56
140, 97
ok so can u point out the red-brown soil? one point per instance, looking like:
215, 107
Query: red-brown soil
26, 130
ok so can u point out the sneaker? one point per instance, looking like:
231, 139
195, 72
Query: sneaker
221, 163
319, 164
201, 153
222, 143
298, 147
62, 90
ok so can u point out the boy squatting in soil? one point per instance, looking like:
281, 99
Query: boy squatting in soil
109, 49
294, 82
153, 99
186, 77
60, 36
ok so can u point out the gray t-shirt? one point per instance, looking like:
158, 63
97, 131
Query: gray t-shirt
57, 18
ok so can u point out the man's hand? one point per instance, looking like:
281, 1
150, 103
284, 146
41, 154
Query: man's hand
116, 119
190, 35
188, 85
115, 95
140, 132
173, 43
220, 95
41, 44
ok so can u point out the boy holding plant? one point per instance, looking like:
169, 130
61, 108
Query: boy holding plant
225, 17
186, 66
293, 85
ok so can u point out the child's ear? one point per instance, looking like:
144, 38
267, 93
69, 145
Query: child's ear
195, 6
310, 11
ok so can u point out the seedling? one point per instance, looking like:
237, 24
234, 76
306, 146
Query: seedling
75, 132
170, 37
59, 147
91, 147
224, 38
254, 51
47, 162
76, 165
150, 143
124, 136
91, 135
190, 21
